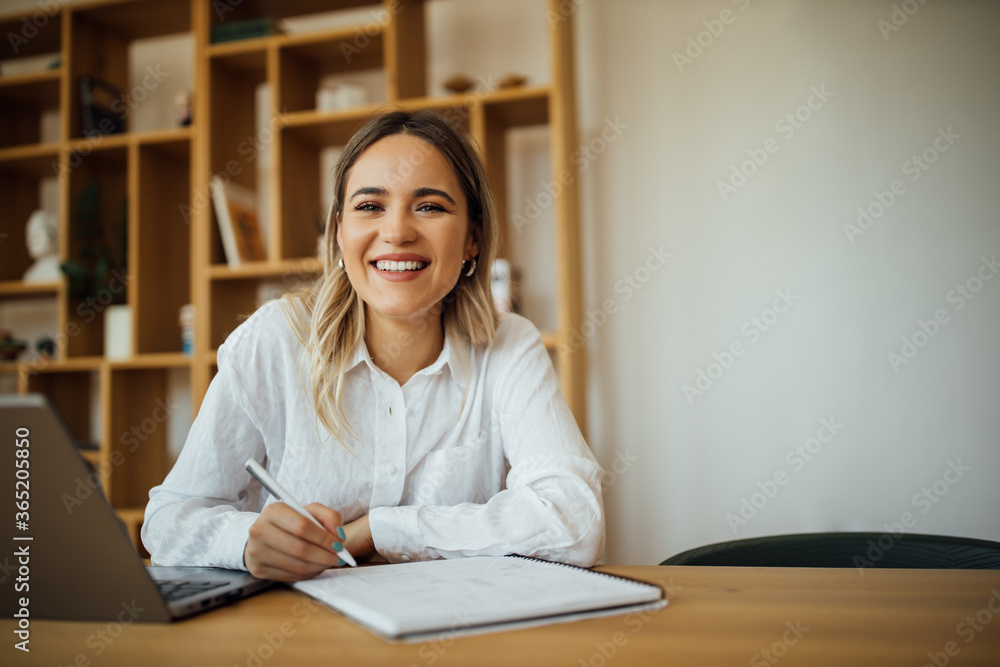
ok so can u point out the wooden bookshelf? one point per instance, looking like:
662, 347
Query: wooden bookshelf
155, 183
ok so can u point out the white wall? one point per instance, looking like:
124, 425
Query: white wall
694, 461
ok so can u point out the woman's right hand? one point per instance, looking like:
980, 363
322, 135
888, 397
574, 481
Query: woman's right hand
286, 546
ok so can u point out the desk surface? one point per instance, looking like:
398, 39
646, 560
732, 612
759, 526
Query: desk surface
716, 616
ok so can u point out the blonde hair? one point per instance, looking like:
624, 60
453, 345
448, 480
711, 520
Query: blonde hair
331, 321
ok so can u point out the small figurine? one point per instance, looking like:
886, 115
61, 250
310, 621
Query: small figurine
458, 83
512, 81
43, 247
10, 347
182, 108
185, 319
46, 348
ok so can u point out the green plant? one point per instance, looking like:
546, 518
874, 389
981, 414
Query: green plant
96, 261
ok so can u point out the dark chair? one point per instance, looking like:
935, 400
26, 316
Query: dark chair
859, 550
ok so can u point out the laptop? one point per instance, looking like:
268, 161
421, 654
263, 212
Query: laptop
68, 556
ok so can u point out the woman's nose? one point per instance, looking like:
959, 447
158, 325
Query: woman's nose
398, 227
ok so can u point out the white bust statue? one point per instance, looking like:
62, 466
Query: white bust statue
42, 241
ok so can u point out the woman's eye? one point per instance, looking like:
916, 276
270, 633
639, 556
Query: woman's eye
430, 207
368, 206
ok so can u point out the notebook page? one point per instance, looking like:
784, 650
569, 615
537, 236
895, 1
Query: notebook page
458, 593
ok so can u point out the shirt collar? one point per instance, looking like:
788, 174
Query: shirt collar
454, 355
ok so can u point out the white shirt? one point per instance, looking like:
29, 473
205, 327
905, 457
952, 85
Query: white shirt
477, 454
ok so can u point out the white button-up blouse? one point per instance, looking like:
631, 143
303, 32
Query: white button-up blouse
477, 454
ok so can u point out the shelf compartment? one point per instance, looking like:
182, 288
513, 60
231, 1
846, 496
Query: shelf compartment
107, 168
232, 302
23, 99
160, 244
22, 171
100, 38
72, 389
304, 60
234, 140
137, 433
44, 38
236, 294
299, 196
138, 19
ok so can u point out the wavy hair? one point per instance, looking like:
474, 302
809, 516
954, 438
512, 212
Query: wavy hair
329, 317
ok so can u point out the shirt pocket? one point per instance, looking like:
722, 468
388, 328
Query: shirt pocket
454, 475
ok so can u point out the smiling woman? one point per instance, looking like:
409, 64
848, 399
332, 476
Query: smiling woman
421, 422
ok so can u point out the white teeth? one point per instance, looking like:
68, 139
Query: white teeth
388, 265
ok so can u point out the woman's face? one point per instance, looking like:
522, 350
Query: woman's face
404, 230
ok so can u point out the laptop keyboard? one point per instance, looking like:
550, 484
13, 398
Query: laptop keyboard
176, 590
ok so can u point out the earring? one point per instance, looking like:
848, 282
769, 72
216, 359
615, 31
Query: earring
472, 269
340, 263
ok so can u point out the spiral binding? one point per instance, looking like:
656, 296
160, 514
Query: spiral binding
631, 580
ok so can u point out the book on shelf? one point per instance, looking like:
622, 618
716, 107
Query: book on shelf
443, 598
98, 102
239, 222
231, 31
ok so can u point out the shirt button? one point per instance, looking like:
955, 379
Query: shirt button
404, 557
391, 469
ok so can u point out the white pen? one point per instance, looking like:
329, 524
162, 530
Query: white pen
271, 484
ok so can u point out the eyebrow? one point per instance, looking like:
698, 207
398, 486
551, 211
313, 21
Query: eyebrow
419, 192
371, 190
428, 192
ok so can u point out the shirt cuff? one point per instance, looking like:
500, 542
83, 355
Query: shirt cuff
231, 540
396, 534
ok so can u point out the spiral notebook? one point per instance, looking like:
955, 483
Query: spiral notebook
420, 601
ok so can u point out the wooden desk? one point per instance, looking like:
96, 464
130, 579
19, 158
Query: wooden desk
716, 616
